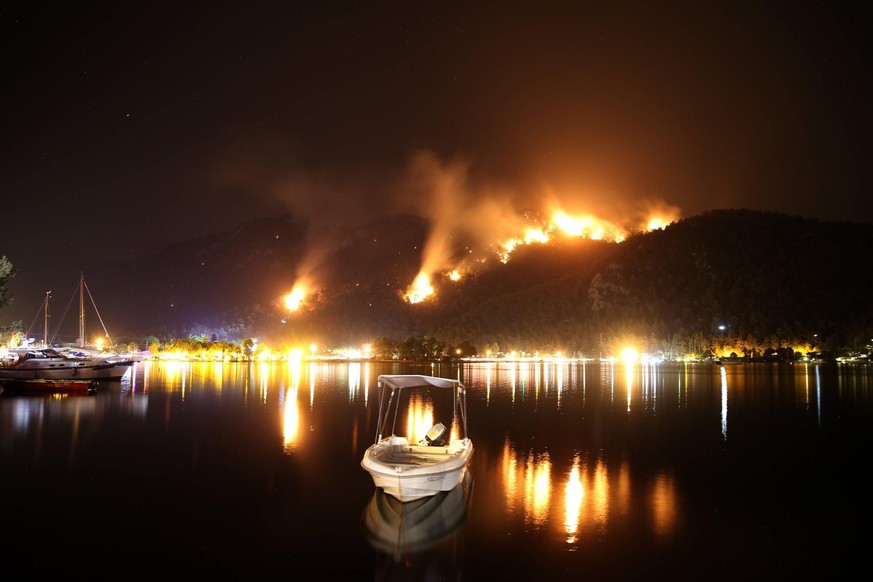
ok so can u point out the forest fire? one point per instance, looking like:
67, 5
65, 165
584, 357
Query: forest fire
560, 223
294, 299
420, 289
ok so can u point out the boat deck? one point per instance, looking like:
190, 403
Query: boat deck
414, 454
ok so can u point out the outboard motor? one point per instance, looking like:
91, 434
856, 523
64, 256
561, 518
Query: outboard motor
436, 436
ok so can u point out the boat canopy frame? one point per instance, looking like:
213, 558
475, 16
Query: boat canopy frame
396, 383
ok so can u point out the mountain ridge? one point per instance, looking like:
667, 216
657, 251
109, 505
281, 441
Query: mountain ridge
765, 277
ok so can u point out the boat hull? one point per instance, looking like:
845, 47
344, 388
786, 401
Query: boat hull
50, 364
48, 385
113, 371
408, 473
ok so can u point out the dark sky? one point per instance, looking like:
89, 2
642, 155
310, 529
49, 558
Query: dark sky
131, 125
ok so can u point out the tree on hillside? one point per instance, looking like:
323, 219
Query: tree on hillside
7, 271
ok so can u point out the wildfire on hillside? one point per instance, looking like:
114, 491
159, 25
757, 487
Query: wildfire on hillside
420, 289
560, 224
294, 299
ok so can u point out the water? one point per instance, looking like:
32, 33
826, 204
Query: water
581, 471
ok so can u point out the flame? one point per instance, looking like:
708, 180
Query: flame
587, 227
454, 275
660, 221
570, 225
536, 235
420, 289
508, 247
294, 299
573, 226
658, 215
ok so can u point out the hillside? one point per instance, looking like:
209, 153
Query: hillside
767, 278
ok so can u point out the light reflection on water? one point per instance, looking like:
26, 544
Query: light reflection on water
574, 457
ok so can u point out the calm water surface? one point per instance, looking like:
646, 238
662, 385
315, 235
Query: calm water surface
581, 471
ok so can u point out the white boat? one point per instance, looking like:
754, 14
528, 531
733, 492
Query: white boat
413, 466
50, 364
30, 362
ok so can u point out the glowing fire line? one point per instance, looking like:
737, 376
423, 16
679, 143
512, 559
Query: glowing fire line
573, 226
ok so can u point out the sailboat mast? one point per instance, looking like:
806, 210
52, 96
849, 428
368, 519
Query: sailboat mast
82, 311
45, 310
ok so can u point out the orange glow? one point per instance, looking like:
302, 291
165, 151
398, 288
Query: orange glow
420, 289
663, 503
573, 226
656, 223
661, 216
291, 418
419, 418
503, 230
295, 298
574, 492
630, 355
508, 247
535, 235
570, 225
538, 488
587, 227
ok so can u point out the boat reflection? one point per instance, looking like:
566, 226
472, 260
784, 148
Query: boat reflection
403, 529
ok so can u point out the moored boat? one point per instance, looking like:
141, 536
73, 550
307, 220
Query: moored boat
41, 362
412, 466
50, 364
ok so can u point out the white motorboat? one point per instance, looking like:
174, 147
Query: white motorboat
413, 466
50, 364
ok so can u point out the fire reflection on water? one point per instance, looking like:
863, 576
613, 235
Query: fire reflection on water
290, 407
585, 499
573, 496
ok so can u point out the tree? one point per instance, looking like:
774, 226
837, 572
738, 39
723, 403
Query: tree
465, 349
385, 348
7, 271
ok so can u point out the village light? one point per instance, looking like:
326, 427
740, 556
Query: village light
630, 355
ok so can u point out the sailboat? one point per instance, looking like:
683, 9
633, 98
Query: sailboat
26, 362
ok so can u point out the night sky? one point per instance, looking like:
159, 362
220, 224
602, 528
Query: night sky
130, 125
